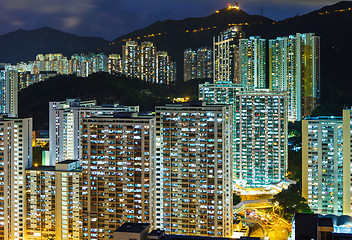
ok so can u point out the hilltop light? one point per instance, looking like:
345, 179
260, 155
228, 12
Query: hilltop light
229, 6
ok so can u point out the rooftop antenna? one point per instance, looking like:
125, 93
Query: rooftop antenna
262, 12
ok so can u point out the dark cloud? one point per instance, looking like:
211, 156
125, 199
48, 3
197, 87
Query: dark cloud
112, 18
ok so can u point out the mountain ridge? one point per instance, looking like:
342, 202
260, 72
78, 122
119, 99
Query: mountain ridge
23, 45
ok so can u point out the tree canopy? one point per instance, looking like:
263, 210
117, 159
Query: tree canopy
290, 201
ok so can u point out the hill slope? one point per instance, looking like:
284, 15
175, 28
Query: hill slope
23, 45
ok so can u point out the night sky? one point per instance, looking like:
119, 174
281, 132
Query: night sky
112, 18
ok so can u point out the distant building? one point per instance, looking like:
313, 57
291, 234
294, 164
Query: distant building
193, 165
252, 63
148, 61
9, 92
294, 66
114, 64
204, 63
197, 64
144, 62
118, 163
189, 65
226, 55
131, 59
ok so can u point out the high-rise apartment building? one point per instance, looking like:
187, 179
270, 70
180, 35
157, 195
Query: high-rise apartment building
114, 64
226, 55
252, 63
326, 163
53, 201
148, 61
260, 131
65, 122
144, 62
261, 137
323, 165
194, 169
131, 59
204, 63
9, 92
197, 64
189, 65
118, 164
53, 62
165, 69
294, 66
16, 156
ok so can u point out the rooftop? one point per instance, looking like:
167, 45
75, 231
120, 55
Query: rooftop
132, 227
323, 118
67, 162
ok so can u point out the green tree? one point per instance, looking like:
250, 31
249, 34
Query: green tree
290, 201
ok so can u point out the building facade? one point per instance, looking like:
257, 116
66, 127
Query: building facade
118, 164
189, 65
261, 137
197, 64
145, 62
226, 55
148, 61
65, 122
204, 63
193, 169
323, 165
54, 202
294, 66
9, 92
15, 157
252, 63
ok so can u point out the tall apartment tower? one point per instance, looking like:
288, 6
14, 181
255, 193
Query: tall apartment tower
197, 64
193, 169
148, 61
9, 92
131, 59
118, 165
164, 68
16, 156
225, 55
261, 137
294, 66
221, 93
53, 200
189, 64
65, 122
323, 165
173, 73
252, 54
204, 63
114, 64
